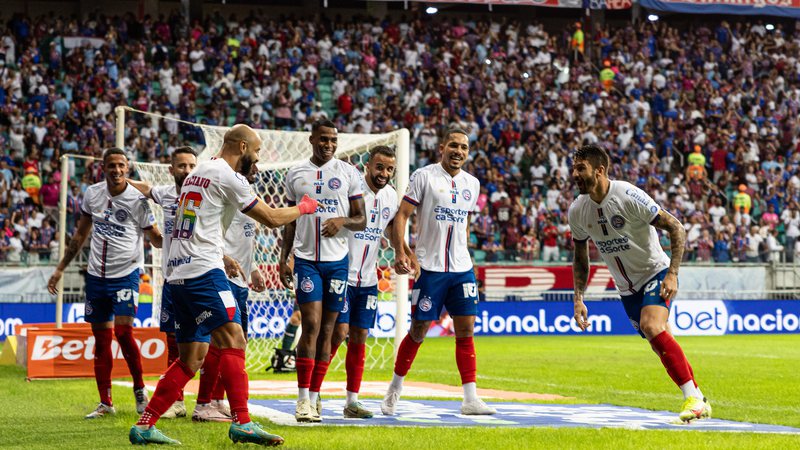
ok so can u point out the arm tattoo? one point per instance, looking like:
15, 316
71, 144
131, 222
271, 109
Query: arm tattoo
71, 251
677, 238
580, 267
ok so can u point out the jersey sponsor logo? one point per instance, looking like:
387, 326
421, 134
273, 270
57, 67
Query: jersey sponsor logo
425, 304
306, 285
334, 184
466, 194
249, 229
385, 213
369, 234
613, 245
337, 286
109, 229
121, 215
328, 205
443, 213
179, 261
202, 317
638, 195
617, 221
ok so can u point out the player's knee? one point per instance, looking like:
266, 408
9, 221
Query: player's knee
358, 335
652, 329
122, 330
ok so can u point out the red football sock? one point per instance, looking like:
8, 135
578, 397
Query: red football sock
219, 388
354, 364
170, 384
405, 355
334, 350
234, 376
671, 354
318, 375
103, 363
209, 374
131, 353
172, 354
305, 367
465, 359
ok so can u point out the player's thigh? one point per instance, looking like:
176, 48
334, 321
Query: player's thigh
344, 314
307, 281
241, 294
363, 306
334, 284
462, 294
125, 293
98, 306
167, 316
646, 309
428, 294
203, 304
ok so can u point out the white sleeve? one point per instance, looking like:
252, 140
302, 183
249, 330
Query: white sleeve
291, 197
416, 188
356, 189
157, 194
640, 205
237, 191
578, 233
145, 217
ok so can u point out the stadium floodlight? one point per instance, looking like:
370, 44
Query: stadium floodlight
432, 10
769, 27
653, 17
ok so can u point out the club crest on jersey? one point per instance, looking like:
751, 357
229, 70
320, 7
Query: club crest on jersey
425, 304
87, 310
466, 194
306, 285
164, 317
121, 215
385, 213
654, 209
334, 184
617, 221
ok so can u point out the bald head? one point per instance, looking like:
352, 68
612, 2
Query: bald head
240, 147
241, 133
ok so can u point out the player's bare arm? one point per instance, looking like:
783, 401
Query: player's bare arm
402, 255
73, 248
406, 249
257, 281
154, 234
677, 243
286, 251
276, 217
580, 278
357, 220
142, 187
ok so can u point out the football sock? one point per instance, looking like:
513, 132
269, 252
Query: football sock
465, 359
209, 374
405, 356
690, 390
305, 367
172, 354
236, 382
103, 363
317, 376
352, 397
334, 350
131, 353
218, 393
288, 337
672, 357
312, 397
354, 365
397, 382
170, 384
470, 392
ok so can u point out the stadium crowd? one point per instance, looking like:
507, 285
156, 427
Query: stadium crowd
703, 118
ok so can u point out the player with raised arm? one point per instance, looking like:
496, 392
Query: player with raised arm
319, 245
203, 302
445, 196
239, 244
182, 162
621, 220
117, 216
361, 305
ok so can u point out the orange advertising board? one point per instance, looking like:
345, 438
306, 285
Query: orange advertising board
69, 352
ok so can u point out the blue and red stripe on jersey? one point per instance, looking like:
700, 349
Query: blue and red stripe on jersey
410, 200
447, 244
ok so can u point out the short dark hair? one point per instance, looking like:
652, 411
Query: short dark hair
322, 123
113, 151
183, 150
382, 150
453, 130
594, 154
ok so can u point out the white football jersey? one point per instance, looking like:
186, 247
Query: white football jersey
620, 226
117, 238
209, 199
364, 245
444, 204
239, 240
333, 185
166, 196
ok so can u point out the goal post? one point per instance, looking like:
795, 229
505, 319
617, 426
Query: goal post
269, 311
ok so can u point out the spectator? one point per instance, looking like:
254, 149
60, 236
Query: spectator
551, 251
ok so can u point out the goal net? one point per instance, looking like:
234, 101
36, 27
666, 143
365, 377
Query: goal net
269, 311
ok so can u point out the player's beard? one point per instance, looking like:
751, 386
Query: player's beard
377, 183
179, 180
585, 185
246, 166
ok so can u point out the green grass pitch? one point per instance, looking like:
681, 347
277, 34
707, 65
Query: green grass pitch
747, 378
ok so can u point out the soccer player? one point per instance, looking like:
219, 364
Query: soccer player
239, 243
361, 301
320, 256
203, 302
445, 196
183, 161
621, 220
117, 216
